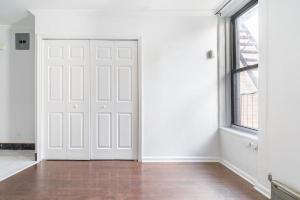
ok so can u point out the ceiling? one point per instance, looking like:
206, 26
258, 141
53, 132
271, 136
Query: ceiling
12, 11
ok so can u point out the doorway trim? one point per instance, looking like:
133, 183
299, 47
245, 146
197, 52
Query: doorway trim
39, 86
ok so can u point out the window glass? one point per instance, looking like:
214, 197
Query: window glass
245, 98
247, 38
245, 67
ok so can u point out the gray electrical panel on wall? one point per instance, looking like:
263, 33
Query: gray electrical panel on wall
22, 41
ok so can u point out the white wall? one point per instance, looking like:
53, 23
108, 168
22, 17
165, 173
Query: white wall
279, 148
180, 113
4, 83
238, 153
283, 97
17, 85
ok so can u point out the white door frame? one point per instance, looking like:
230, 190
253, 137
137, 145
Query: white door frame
39, 85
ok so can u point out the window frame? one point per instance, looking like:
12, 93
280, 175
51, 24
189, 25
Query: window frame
233, 69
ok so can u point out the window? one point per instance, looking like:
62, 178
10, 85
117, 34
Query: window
244, 73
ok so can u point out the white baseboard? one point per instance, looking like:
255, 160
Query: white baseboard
179, 159
238, 171
258, 187
263, 190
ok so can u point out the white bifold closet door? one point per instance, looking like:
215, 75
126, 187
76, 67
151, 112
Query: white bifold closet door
90, 99
114, 99
67, 99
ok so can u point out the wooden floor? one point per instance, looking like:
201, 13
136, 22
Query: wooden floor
124, 180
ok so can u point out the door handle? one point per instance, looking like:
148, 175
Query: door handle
103, 106
75, 106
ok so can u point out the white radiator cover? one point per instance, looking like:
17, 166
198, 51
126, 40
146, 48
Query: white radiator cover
281, 192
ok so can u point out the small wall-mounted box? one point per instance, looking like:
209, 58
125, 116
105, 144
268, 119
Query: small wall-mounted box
22, 41
210, 54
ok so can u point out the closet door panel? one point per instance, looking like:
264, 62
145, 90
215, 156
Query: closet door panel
114, 99
102, 103
66, 99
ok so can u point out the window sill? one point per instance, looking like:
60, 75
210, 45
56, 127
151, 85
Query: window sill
239, 133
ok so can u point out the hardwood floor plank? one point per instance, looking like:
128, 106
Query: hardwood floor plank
126, 180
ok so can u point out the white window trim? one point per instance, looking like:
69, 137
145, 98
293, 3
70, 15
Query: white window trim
224, 56
239, 133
